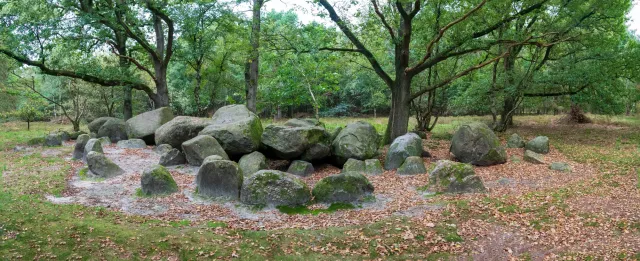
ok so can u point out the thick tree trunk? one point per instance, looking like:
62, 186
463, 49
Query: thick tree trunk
196, 91
127, 103
253, 64
398, 123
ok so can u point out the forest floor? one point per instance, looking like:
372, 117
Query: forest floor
529, 213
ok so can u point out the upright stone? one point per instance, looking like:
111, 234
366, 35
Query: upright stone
359, 140
102, 166
144, 125
201, 147
114, 129
301, 168
539, 144
92, 145
475, 143
346, 187
454, 177
412, 166
252, 163
219, 178
78, 149
515, 141
173, 157
156, 180
236, 128
405, 146
274, 188
180, 129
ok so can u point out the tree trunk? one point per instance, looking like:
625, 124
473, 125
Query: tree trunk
196, 91
127, 103
252, 67
28, 125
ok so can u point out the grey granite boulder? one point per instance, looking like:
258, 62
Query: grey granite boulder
292, 142
454, 177
174, 157
560, 166
539, 144
346, 187
143, 126
101, 166
156, 181
306, 122
532, 157
353, 165
274, 188
180, 129
201, 147
252, 163
92, 145
475, 143
412, 166
78, 149
52, 140
373, 167
358, 140
301, 168
403, 147
236, 128
95, 125
515, 141
132, 144
218, 178
162, 149
114, 129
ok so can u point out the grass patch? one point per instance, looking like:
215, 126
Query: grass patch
449, 232
212, 224
304, 210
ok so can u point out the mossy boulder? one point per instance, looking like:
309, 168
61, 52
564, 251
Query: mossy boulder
180, 129
92, 145
64, 135
143, 126
405, 146
358, 140
162, 149
75, 134
412, 166
78, 148
274, 188
94, 126
475, 143
105, 141
219, 178
515, 141
454, 177
532, 157
539, 144
373, 167
316, 152
114, 129
173, 157
306, 122
101, 166
236, 128
288, 143
252, 163
560, 166
132, 144
353, 165
156, 180
301, 168
343, 188
201, 147
52, 140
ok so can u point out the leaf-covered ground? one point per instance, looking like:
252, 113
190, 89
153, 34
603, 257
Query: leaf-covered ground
529, 213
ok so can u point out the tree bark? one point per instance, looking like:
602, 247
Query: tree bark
252, 67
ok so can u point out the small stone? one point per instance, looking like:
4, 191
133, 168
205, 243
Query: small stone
52, 140
92, 145
343, 188
516, 159
218, 178
162, 149
373, 167
412, 166
132, 144
102, 166
532, 157
201, 147
174, 157
454, 177
405, 146
64, 135
353, 165
301, 168
78, 149
157, 180
538, 145
252, 163
560, 166
515, 141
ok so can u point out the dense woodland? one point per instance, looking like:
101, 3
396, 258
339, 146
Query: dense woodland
77, 60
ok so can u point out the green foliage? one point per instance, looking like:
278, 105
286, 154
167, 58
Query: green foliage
304, 210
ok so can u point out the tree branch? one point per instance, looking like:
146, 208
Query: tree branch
557, 93
383, 19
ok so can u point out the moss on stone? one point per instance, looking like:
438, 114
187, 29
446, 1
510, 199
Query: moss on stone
158, 181
345, 187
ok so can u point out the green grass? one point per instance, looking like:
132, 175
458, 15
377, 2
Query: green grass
304, 210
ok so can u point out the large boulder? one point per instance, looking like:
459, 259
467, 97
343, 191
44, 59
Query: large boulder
102, 166
92, 145
252, 163
475, 143
219, 178
201, 147
52, 140
317, 152
144, 125
274, 188
353, 165
132, 144
539, 144
156, 180
64, 135
403, 147
532, 157
454, 177
95, 125
292, 142
75, 134
306, 122
180, 129
412, 166
301, 168
345, 188
114, 129
78, 149
515, 141
236, 128
359, 140
173, 157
